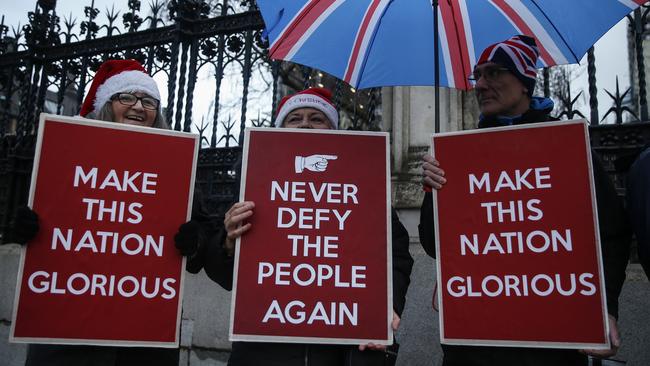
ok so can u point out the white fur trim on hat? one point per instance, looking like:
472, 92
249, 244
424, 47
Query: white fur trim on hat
125, 82
308, 101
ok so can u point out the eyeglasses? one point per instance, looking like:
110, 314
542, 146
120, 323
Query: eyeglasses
131, 99
489, 73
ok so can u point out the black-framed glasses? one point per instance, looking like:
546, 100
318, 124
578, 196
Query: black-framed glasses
489, 73
131, 99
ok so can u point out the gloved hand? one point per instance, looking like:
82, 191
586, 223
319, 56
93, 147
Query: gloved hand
24, 226
187, 238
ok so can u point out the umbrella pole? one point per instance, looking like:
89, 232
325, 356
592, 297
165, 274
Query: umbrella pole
436, 68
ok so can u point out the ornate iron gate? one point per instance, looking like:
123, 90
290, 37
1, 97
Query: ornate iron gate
47, 64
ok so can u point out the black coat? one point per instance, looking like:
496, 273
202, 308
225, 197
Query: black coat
615, 242
57, 355
219, 267
638, 206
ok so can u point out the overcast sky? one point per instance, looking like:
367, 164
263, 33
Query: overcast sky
611, 53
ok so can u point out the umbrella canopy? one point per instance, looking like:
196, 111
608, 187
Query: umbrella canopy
371, 43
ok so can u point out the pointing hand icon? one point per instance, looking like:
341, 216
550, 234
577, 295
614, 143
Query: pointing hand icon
314, 163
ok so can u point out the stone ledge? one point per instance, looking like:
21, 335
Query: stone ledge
407, 193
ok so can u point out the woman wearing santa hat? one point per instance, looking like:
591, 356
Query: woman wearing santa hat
311, 109
121, 92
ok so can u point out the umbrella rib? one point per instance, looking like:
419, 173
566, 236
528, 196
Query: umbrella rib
291, 27
282, 38
534, 2
460, 46
369, 46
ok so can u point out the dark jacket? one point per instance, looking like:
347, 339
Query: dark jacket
219, 267
638, 206
615, 241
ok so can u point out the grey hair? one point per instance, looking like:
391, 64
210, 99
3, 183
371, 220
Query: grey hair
106, 114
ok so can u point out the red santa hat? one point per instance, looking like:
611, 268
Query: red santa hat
117, 76
317, 98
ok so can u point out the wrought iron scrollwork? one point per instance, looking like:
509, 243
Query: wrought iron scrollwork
619, 105
47, 64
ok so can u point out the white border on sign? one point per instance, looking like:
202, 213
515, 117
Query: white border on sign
389, 247
51, 118
440, 289
389, 241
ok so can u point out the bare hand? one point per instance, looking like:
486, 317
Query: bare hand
432, 175
614, 339
380, 347
234, 223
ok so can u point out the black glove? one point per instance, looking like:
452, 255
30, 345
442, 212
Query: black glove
24, 227
187, 238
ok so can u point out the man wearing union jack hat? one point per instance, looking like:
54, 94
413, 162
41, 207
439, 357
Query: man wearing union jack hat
504, 78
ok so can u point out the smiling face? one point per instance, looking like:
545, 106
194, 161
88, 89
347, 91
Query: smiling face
307, 118
134, 114
502, 94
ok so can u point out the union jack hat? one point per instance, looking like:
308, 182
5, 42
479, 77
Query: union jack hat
519, 55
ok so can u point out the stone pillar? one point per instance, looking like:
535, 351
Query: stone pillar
408, 115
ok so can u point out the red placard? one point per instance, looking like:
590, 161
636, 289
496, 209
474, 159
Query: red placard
519, 260
103, 268
315, 266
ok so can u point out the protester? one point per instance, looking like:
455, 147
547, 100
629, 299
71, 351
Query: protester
638, 206
121, 92
310, 109
504, 78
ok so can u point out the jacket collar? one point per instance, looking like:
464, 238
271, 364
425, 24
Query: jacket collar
539, 111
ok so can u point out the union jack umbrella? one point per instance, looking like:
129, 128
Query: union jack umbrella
371, 43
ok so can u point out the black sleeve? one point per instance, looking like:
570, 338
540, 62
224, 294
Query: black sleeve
615, 234
213, 258
207, 228
210, 255
426, 227
638, 205
218, 265
23, 227
402, 263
